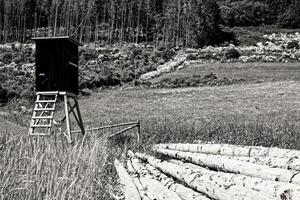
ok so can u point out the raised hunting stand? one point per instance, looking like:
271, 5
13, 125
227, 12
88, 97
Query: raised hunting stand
56, 77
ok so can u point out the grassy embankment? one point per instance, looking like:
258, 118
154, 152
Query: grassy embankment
253, 114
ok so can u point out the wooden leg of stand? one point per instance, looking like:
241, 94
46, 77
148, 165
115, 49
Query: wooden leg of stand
67, 119
79, 117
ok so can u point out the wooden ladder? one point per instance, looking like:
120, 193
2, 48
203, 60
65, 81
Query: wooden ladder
43, 113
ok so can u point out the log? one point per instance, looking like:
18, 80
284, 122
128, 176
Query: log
234, 166
200, 181
285, 163
154, 188
129, 189
231, 150
272, 188
182, 191
137, 182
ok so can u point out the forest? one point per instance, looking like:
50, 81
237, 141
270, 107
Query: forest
188, 23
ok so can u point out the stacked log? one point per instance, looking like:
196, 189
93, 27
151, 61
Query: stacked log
215, 171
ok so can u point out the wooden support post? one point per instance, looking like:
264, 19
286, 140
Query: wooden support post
68, 131
80, 122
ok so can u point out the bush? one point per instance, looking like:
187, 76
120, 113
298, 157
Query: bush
89, 54
232, 53
192, 56
290, 18
3, 95
136, 52
6, 57
292, 45
168, 54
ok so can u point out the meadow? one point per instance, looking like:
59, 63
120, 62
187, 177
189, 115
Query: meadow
263, 110
252, 114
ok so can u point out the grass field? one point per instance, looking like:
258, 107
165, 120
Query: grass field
250, 72
266, 113
237, 114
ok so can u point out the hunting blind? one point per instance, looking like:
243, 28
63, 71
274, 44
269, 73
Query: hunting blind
56, 76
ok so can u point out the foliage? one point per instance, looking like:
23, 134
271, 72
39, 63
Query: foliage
290, 18
246, 13
205, 23
292, 45
3, 95
210, 79
232, 53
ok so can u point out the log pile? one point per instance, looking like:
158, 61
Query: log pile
211, 171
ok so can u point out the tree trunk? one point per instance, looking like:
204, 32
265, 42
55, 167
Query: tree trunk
231, 150
137, 182
219, 190
272, 188
182, 191
285, 163
234, 166
153, 187
130, 190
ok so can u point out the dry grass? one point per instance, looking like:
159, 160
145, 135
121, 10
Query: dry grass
49, 168
252, 114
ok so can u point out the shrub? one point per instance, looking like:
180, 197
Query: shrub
89, 54
232, 53
192, 57
292, 45
136, 52
168, 54
6, 57
290, 18
3, 95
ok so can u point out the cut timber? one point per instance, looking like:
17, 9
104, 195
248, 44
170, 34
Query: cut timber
231, 150
153, 187
285, 163
130, 190
137, 182
239, 167
195, 179
182, 191
272, 188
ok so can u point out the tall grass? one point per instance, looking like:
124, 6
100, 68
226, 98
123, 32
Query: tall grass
49, 168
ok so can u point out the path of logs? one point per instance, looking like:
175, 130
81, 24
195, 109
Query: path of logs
211, 171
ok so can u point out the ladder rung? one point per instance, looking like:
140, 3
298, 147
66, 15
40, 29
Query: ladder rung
45, 101
44, 109
39, 134
41, 126
48, 93
42, 117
